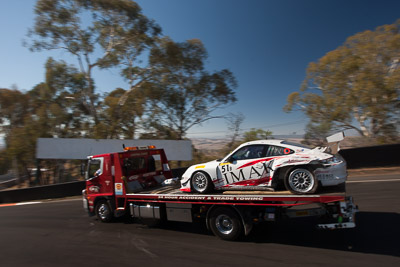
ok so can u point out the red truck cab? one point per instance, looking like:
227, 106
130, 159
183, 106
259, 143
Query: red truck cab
109, 177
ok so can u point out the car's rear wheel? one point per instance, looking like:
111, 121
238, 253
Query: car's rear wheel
201, 182
301, 181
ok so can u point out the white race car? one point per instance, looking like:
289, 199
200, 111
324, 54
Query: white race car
259, 165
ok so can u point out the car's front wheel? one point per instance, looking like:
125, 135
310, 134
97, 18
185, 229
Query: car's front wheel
201, 182
301, 181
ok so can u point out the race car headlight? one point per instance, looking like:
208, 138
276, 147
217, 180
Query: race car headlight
331, 160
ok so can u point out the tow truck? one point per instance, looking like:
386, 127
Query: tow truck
139, 182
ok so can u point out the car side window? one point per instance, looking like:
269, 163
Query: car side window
250, 152
278, 151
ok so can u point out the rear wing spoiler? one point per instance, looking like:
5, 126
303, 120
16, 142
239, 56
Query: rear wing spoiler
333, 142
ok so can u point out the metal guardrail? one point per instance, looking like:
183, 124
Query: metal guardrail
8, 183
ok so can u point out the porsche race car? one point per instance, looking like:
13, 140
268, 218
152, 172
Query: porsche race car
261, 164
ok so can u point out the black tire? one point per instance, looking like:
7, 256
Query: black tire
226, 224
103, 211
301, 181
201, 183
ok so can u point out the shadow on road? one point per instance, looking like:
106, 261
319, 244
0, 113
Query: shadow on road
376, 233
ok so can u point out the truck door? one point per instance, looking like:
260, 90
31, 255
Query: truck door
98, 176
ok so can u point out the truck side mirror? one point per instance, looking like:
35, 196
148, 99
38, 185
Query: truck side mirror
83, 169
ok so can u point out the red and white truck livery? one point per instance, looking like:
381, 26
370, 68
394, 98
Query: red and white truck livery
139, 182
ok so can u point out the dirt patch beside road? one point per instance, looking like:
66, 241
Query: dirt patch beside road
374, 171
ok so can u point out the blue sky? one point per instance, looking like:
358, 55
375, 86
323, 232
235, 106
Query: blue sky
266, 44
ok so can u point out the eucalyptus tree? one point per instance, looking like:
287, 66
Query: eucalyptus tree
14, 107
48, 110
256, 134
120, 121
182, 92
54, 104
98, 33
357, 82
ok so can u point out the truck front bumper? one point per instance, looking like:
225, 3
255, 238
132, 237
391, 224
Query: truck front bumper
86, 203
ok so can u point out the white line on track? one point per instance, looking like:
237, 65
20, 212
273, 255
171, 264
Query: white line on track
28, 203
19, 204
374, 181
40, 202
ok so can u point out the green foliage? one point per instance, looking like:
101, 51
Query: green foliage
48, 110
13, 108
183, 93
13, 116
158, 131
200, 156
120, 120
116, 29
256, 134
358, 81
316, 134
56, 104
4, 162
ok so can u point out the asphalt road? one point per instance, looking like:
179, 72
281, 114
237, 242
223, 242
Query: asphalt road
60, 233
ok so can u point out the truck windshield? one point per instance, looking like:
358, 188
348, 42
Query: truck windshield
94, 168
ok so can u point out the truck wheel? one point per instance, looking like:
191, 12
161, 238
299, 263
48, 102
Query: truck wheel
201, 182
103, 211
301, 181
225, 223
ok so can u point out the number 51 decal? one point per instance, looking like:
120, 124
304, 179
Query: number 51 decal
226, 168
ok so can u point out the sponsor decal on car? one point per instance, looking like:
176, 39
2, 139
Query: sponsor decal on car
200, 167
324, 175
256, 172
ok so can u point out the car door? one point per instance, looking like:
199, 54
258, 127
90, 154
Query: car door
244, 167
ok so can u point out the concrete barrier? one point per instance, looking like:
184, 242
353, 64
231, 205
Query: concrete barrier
374, 156
42, 192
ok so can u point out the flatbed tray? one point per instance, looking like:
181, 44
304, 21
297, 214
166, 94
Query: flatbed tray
172, 194
175, 189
